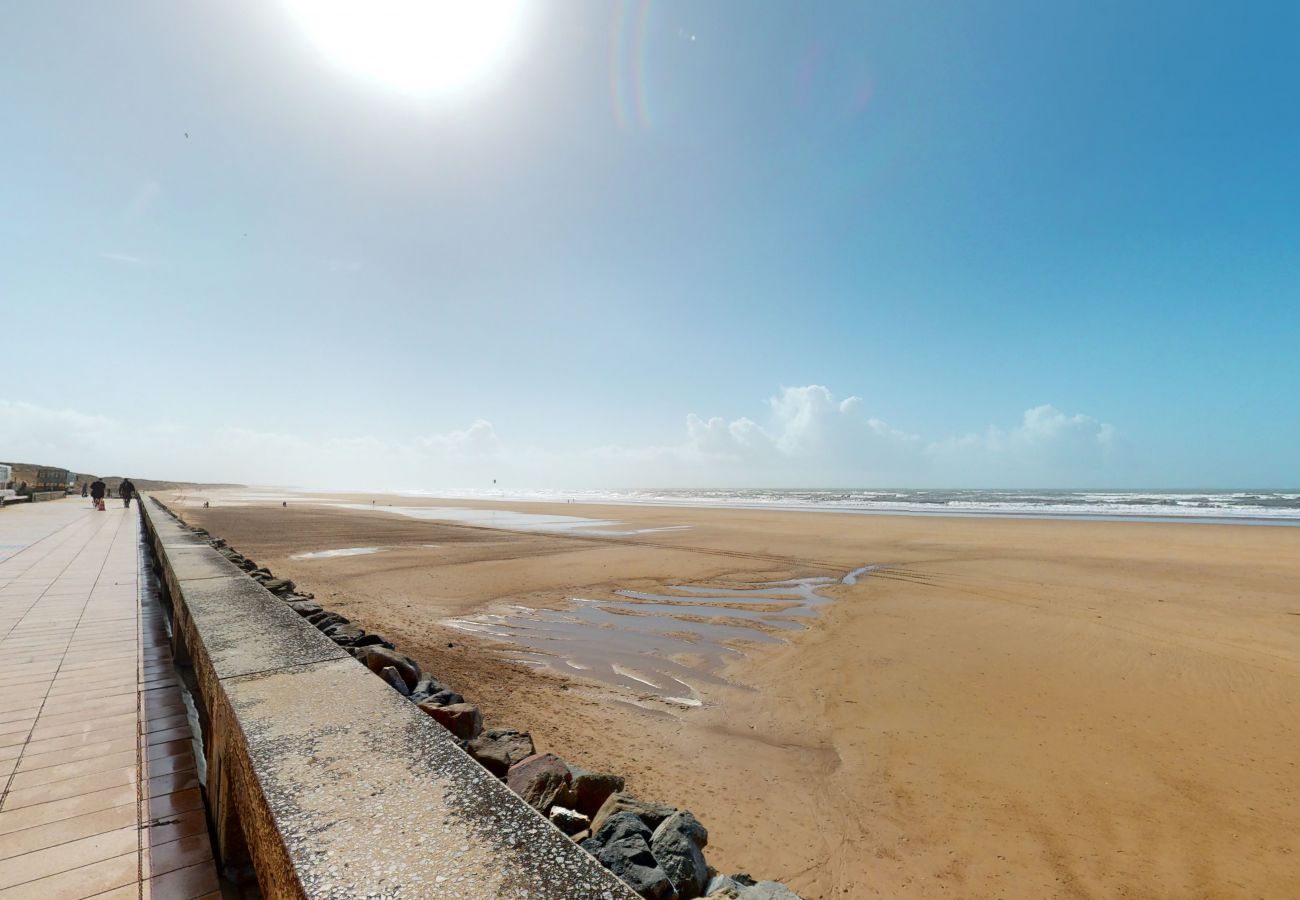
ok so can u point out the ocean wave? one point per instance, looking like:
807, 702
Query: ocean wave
1261, 506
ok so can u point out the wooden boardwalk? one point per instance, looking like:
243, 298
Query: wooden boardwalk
99, 795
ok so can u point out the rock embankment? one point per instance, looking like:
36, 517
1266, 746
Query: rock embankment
657, 850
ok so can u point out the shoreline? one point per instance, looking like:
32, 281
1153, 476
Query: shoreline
1006, 710
1243, 518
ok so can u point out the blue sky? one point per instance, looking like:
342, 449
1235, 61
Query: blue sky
659, 244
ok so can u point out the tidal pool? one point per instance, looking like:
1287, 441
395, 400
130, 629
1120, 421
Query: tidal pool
660, 646
343, 551
510, 520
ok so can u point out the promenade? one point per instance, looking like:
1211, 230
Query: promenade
99, 796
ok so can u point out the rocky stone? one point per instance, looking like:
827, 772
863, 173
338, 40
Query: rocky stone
446, 698
589, 790
618, 826
727, 886
429, 684
248, 566
742, 887
622, 846
327, 619
652, 814
378, 658
394, 678
461, 719
278, 585
769, 890
344, 635
677, 844
306, 608
539, 780
262, 574
372, 640
497, 749
570, 821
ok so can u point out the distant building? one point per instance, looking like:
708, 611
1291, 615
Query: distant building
52, 480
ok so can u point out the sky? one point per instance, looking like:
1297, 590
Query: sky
653, 244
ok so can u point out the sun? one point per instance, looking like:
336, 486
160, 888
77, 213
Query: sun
416, 46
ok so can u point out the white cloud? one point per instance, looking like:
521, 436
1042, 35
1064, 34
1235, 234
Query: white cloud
102, 445
478, 440
1045, 444
807, 438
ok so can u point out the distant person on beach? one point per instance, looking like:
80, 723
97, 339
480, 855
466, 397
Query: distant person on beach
85, 489
126, 490
97, 491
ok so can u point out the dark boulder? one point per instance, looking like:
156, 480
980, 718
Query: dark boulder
618, 826
461, 719
652, 814
278, 585
622, 845
678, 845
539, 780
498, 749
328, 620
446, 698
589, 790
344, 635
306, 608
372, 640
429, 687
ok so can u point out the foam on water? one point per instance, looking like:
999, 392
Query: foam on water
1265, 506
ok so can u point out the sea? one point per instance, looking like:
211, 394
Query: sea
1258, 507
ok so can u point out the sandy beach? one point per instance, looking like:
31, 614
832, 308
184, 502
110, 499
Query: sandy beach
1005, 708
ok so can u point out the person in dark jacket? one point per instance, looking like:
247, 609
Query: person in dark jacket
97, 491
126, 490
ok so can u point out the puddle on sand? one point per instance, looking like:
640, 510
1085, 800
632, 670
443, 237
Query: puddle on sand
332, 554
658, 644
510, 520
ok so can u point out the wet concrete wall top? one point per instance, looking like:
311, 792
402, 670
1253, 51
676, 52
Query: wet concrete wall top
340, 787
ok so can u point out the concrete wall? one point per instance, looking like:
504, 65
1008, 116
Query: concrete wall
327, 779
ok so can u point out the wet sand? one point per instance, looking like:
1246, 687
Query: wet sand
1006, 708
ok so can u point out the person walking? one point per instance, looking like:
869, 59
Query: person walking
97, 491
126, 490
85, 489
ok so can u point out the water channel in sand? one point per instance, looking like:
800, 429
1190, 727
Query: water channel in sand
659, 645
510, 520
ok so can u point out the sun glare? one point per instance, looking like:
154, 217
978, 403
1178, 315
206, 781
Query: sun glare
418, 46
